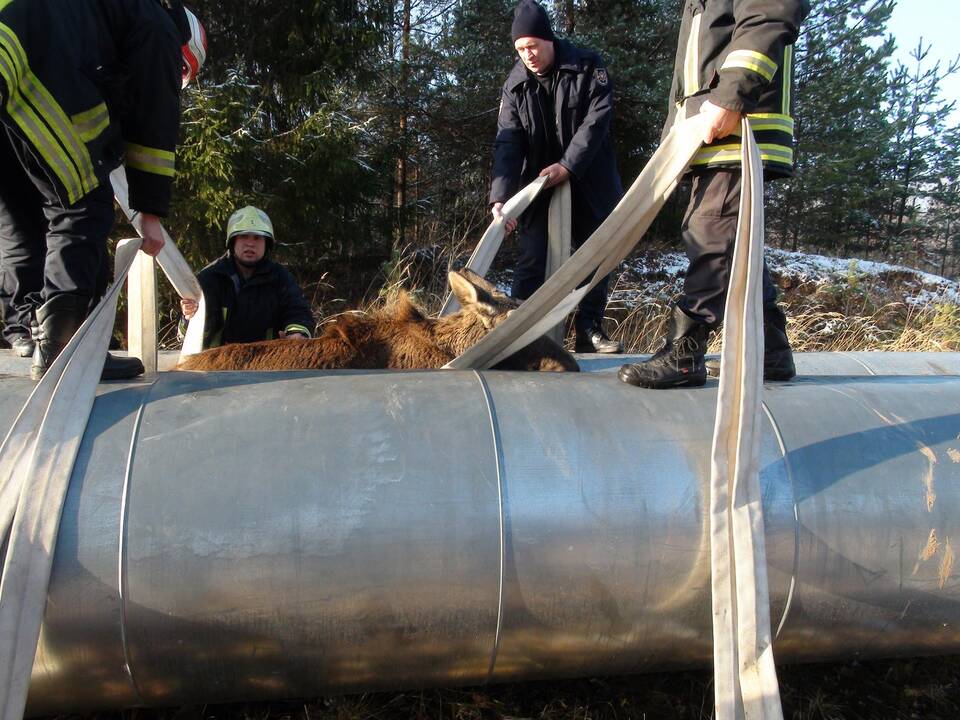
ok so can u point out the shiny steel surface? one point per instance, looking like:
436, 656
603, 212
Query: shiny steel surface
252, 536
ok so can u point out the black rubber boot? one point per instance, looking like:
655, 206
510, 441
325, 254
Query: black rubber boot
595, 340
121, 368
777, 355
679, 363
58, 319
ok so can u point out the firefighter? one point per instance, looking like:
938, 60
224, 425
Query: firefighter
735, 58
554, 120
248, 296
85, 85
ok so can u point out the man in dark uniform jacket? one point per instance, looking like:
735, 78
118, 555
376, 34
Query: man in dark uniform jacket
85, 85
249, 297
554, 120
735, 58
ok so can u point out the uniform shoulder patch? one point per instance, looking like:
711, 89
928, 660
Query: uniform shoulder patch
601, 76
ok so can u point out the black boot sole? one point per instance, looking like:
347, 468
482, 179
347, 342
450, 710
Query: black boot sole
616, 350
713, 370
115, 368
630, 377
779, 375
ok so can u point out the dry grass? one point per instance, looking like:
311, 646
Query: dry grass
819, 319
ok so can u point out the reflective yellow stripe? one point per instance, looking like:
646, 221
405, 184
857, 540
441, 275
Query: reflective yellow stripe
787, 78
35, 130
771, 121
88, 125
50, 112
4, 3
60, 124
731, 154
294, 328
691, 63
751, 60
151, 160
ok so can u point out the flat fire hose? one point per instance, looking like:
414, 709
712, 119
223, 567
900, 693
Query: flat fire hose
559, 242
745, 678
558, 239
492, 237
42, 446
593, 260
174, 266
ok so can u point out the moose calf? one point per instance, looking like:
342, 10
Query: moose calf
400, 337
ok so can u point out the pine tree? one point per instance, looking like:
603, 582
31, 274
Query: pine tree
276, 120
835, 201
918, 155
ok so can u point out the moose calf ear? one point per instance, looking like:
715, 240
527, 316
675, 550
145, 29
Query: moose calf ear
480, 281
465, 291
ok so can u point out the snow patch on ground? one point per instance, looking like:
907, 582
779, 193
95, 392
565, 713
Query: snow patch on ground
658, 277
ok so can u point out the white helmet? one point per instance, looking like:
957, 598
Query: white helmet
194, 51
249, 220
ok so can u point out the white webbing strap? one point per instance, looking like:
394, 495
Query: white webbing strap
36, 461
745, 675
173, 264
492, 237
559, 242
558, 239
593, 260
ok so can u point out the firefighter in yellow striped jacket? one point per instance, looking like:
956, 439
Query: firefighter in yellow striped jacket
85, 85
735, 58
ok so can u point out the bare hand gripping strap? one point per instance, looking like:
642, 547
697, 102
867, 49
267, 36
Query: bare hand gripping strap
492, 238
174, 266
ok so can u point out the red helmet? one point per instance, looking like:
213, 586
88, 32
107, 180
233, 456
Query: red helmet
194, 51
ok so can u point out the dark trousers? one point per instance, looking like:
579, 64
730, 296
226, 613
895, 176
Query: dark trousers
528, 274
709, 233
47, 248
23, 230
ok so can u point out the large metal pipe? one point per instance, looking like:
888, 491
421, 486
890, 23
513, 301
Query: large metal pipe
253, 536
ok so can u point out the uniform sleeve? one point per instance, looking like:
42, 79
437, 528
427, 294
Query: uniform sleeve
595, 126
150, 114
762, 28
509, 149
294, 310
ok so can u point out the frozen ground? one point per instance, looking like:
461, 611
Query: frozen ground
658, 277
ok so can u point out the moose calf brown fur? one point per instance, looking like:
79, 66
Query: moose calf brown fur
399, 337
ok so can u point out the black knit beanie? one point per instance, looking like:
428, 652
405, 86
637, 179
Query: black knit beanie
531, 20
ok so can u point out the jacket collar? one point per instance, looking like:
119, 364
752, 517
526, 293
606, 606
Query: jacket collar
568, 58
225, 265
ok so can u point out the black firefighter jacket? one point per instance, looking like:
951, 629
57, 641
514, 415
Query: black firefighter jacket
240, 311
582, 111
88, 84
739, 54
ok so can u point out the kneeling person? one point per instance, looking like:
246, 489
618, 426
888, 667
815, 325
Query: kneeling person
248, 296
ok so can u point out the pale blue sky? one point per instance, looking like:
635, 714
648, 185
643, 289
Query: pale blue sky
936, 22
